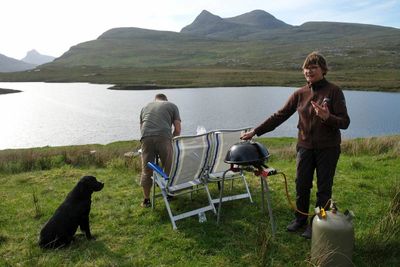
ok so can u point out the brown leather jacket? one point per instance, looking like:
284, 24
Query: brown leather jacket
314, 133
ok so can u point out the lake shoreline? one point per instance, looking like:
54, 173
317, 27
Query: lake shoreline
135, 144
149, 87
4, 91
139, 87
121, 87
131, 78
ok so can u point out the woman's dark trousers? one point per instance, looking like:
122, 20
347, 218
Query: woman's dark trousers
324, 162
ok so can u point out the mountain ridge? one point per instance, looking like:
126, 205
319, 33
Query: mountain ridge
242, 44
8, 64
207, 24
34, 57
30, 61
259, 18
211, 40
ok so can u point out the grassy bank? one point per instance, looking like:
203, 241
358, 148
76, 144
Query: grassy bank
35, 181
213, 76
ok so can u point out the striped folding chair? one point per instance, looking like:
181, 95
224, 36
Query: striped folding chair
190, 161
219, 171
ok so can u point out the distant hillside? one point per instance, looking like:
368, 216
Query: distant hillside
209, 25
252, 40
260, 19
8, 64
259, 25
360, 55
34, 57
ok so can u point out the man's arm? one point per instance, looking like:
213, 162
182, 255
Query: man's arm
177, 128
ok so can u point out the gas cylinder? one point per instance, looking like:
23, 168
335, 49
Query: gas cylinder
332, 239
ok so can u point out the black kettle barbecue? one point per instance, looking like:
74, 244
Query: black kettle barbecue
247, 153
250, 156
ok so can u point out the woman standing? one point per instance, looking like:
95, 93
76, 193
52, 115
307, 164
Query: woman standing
322, 111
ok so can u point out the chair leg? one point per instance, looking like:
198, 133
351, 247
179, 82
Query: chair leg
153, 197
165, 197
210, 199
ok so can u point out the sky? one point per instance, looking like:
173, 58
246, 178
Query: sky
53, 26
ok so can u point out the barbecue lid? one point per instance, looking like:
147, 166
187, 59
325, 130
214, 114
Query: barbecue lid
247, 153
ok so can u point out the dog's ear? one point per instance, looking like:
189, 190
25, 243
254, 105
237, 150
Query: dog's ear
84, 186
82, 189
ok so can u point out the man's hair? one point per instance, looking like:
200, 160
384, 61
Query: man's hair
315, 58
161, 97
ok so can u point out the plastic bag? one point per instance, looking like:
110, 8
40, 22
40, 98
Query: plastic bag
200, 130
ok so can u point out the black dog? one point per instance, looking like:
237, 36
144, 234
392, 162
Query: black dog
73, 212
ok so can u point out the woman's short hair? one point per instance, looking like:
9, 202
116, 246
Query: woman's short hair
315, 58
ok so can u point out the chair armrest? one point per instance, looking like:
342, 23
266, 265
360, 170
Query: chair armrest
157, 169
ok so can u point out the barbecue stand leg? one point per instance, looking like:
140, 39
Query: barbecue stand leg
267, 192
262, 193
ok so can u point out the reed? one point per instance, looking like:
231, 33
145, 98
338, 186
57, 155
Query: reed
100, 156
382, 240
389, 146
46, 158
266, 244
372, 145
38, 211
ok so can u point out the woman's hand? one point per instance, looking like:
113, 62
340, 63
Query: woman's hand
322, 111
248, 135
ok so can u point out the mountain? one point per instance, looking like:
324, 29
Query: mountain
252, 40
131, 47
245, 46
212, 26
8, 64
30, 61
260, 19
34, 57
259, 25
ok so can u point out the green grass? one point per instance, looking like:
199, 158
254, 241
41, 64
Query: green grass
212, 76
367, 181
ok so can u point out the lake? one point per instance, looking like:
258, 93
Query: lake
57, 114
